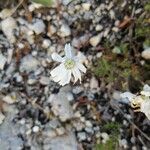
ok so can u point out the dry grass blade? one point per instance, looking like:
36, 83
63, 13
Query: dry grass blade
131, 122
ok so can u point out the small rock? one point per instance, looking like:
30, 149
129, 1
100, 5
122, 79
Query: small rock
9, 132
60, 131
35, 129
46, 43
2, 117
93, 83
95, 40
34, 6
77, 90
86, 6
116, 95
6, 13
44, 80
63, 142
88, 124
115, 29
105, 137
89, 130
3, 60
8, 26
146, 53
81, 136
106, 32
116, 50
38, 27
61, 106
18, 77
29, 63
65, 30
112, 14
51, 30
123, 143
66, 2
10, 54
10, 99
99, 27
70, 96
31, 81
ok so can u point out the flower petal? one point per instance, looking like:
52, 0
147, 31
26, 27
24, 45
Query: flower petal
68, 50
57, 57
66, 78
76, 74
56, 71
81, 67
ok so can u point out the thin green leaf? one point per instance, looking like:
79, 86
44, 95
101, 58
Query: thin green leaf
46, 3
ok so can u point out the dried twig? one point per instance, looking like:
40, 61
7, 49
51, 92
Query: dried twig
14, 10
131, 122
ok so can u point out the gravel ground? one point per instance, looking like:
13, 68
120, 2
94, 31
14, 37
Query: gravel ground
38, 114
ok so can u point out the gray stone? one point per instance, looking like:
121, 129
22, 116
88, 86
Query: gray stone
28, 64
2, 61
63, 142
60, 105
9, 134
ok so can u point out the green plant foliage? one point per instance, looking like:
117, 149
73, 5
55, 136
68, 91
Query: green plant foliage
109, 145
147, 7
112, 128
112, 143
46, 3
142, 28
110, 70
103, 68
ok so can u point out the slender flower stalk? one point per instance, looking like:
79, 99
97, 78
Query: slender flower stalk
69, 66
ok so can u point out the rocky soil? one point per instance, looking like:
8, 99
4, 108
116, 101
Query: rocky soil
38, 114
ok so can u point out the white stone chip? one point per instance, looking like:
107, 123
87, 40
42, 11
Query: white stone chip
146, 53
8, 26
65, 30
3, 60
95, 40
2, 117
38, 27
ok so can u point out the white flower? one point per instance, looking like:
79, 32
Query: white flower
69, 65
146, 90
145, 108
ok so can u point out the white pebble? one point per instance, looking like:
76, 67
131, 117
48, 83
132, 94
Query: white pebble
86, 6
65, 30
105, 137
95, 40
81, 136
70, 97
146, 53
5, 13
46, 43
88, 123
9, 99
2, 117
35, 129
3, 60
38, 27
99, 27
60, 131
44, 80
31, 81
93, 83
28, 64
8, 26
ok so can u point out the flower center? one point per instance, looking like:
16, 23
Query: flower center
69, 64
